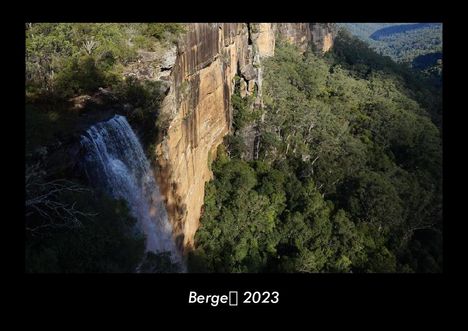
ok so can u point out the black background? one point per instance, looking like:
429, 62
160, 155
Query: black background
326, 299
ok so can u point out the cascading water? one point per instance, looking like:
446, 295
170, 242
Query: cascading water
115, 161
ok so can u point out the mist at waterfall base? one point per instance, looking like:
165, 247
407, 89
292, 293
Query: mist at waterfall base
114, 161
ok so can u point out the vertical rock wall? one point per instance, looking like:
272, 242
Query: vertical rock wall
322, 35
209, 56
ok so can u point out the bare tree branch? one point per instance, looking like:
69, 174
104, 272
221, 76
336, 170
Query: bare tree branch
43, 199
89, 45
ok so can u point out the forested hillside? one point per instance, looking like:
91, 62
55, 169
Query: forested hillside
418, 44
74, 78
364, 30
332, 164
400, 28
346, 176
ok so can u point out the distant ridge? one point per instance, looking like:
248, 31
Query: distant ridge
387, 31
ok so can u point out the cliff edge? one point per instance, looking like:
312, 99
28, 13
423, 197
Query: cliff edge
200, 84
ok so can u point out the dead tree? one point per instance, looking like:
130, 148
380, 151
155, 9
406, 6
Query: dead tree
43, 199
89, 45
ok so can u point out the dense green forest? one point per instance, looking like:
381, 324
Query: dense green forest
348, 173
364, 30
406, 43
71, 226
400, 28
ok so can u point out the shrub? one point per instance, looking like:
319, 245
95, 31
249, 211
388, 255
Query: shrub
105, 242
81, 75
164, 31
243, 112
145, 98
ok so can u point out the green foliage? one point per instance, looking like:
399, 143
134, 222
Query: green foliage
162, 31
42, 126
348, 176
349, 169
80, 76
101, 243
65, 60
243, 238
261, 218
374, 200
418, 46
145, 99
236, 145
365, 30
74, 58
406, 45
243, 112
402, 42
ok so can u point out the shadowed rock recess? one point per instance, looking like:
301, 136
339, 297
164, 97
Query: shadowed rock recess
201, 80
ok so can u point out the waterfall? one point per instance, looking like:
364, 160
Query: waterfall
114, 161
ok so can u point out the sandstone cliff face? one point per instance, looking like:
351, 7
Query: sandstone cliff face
322, 35
295, 33
198, 105
263, 37
208, 58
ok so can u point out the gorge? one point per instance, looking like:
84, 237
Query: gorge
228, 147
208, 58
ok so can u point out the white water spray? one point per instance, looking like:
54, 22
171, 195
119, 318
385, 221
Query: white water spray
115, 161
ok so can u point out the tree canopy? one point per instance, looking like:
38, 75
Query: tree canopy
347, 178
